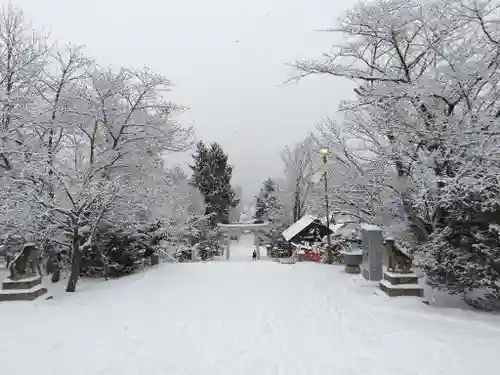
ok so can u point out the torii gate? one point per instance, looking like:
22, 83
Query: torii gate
239, 228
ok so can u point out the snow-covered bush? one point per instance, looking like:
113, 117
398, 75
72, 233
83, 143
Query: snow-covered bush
463, 255
118, 251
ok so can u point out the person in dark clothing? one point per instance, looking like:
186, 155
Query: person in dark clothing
254, 255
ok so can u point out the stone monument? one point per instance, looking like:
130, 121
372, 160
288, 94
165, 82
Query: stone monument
399, 280
23, 283
371, 244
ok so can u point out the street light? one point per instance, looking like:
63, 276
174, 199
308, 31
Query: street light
324, 151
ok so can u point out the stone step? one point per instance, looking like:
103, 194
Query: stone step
399, 290
400, 278
26, 283
22, 295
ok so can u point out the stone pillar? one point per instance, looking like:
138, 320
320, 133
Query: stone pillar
228, 248
371, 242
155, 259
256, 243
194, 253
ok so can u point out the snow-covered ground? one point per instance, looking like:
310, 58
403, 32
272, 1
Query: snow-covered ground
241, 318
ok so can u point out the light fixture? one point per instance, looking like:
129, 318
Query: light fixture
323, 151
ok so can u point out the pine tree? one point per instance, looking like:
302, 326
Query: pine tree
212, 176
266, 205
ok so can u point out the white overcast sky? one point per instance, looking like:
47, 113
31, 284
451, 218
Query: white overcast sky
227, 60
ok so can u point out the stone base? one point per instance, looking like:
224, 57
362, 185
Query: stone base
353, 269
22, 294
26, 283
399, 290
287, 260
400, 278
26, 289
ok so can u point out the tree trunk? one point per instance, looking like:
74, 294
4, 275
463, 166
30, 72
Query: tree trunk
417, 226
50, 161
296, 205
75, 262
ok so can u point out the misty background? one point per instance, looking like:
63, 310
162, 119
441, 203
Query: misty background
227, 60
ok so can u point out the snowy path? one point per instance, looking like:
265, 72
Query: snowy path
240, 318
241, 251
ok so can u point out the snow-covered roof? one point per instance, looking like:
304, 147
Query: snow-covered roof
344, 229
246, 225
341, 219
336, 227
370, 227
298, 226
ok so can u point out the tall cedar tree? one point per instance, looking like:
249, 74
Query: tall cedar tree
266, 205
212, 176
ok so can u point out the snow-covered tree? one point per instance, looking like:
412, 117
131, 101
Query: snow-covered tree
424, 123
360, 183
23, 57
299, 168
235, 212
182, 205
212, 176
121, 126
266, 203
81, 146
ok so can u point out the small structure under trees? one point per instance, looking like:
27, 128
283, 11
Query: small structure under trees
307, 229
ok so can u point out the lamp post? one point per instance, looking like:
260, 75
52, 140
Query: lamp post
324, 152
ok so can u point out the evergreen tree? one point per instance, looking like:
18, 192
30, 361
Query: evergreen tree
212, 176
266, 205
